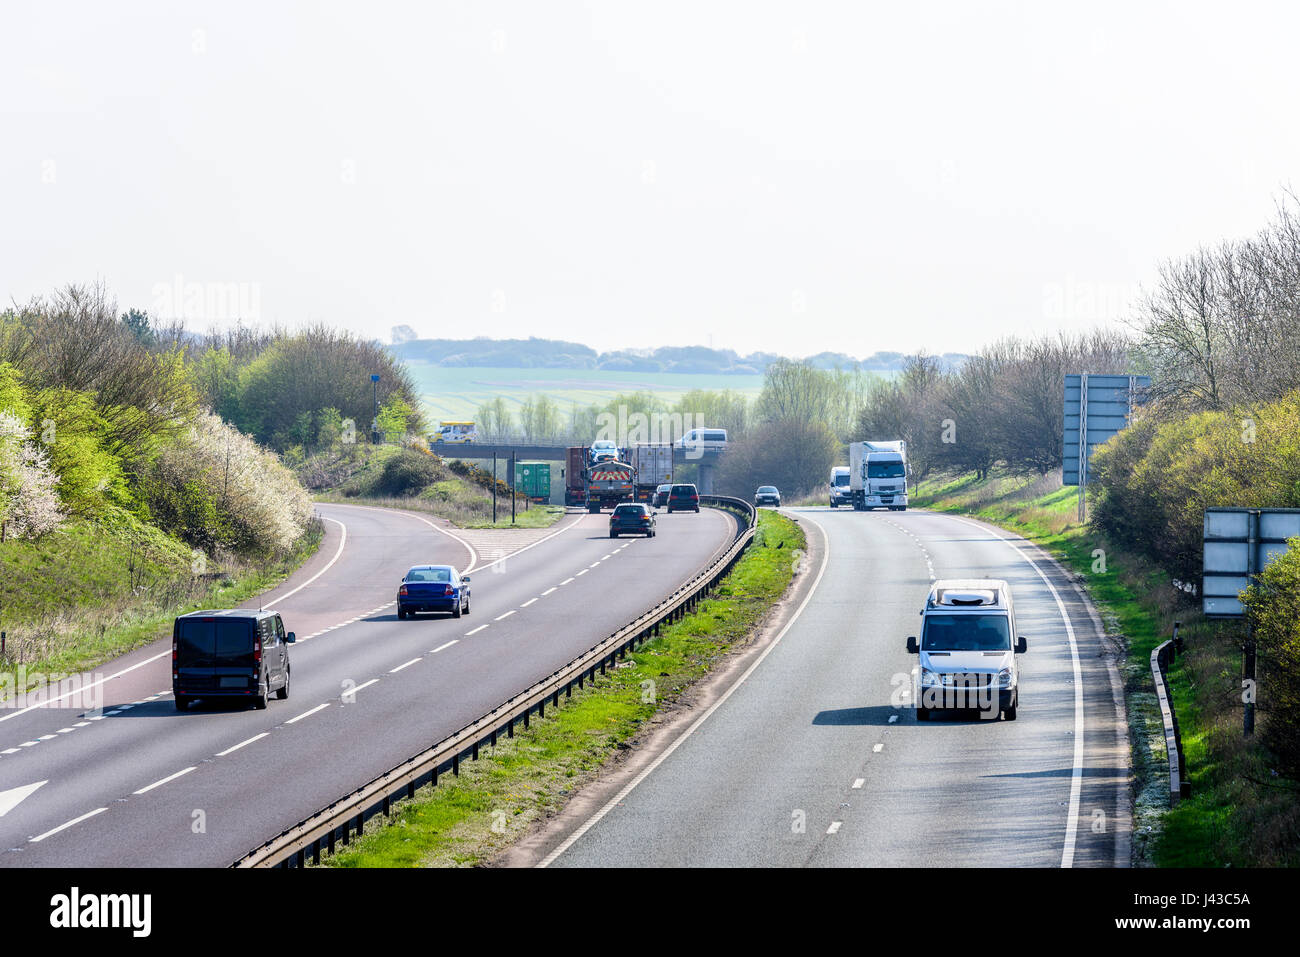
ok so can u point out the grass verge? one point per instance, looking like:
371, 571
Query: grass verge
1237, 814
466, 820
134, 582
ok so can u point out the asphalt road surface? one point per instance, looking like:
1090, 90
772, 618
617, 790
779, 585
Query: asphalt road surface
134, 782
816, 758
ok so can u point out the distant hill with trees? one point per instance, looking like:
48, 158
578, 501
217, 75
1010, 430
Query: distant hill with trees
535, 353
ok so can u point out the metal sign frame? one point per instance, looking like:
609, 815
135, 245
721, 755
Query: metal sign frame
1096, 418
1236, 545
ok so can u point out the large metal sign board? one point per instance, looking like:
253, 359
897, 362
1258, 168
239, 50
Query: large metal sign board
1238, 544
1102, 405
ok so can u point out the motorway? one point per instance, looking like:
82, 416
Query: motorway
815, 757
134, 782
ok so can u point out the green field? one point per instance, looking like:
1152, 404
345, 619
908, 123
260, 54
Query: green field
455, 393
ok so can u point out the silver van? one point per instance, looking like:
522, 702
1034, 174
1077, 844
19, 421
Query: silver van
968, 649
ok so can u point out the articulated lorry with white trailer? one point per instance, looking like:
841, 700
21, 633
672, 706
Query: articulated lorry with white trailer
878, 475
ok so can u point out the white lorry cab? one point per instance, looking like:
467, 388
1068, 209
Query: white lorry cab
968, 649
878, 475
841, 494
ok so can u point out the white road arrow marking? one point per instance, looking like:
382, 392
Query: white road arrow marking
14, 796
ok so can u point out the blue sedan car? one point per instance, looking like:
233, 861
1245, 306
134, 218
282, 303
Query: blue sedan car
433, 588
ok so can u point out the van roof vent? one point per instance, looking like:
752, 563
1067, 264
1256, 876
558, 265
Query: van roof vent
965, 597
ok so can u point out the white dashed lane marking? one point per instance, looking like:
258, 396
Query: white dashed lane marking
450, 643
232, 750
835, 826
475, 631
158, 784
308, 714
65, 826
404, 665
506, 615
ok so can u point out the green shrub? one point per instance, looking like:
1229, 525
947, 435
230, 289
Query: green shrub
1273, 606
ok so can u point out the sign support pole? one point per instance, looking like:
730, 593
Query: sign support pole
1083, 447
1248, 652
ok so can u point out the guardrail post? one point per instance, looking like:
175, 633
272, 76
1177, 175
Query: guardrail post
510, 728
315, 852
387, 809
455, 764
332, 841
541, 708
475, 754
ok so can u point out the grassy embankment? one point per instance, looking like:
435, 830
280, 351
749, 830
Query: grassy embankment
94, 590
460, 494
466, 820
1236, 815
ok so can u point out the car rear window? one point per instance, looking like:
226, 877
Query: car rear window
428, 575
630, 510
219, 637
683, 490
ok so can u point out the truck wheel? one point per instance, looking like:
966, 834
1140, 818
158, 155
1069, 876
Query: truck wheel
833, 505
613, 534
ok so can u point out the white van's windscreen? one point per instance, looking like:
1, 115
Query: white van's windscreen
966, 633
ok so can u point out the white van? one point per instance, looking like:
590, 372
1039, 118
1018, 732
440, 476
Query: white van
968, 649
703, 440
841, 494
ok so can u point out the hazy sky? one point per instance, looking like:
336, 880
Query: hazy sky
787, 177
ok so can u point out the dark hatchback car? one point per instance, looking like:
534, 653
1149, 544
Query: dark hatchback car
636, 519
683, 498
767, 495
230, 654
661, 495
433, 588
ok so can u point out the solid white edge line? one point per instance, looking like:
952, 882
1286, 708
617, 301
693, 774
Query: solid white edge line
158, 784
308, 714
667, 752
338, 552
61, 827
406, 665
1076, 779
93, 684
447, 645
473, 555
256, 737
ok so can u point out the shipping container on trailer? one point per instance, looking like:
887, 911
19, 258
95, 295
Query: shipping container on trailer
654, 467
575, 476
533, 480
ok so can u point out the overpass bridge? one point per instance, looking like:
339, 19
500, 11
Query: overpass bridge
706, 459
